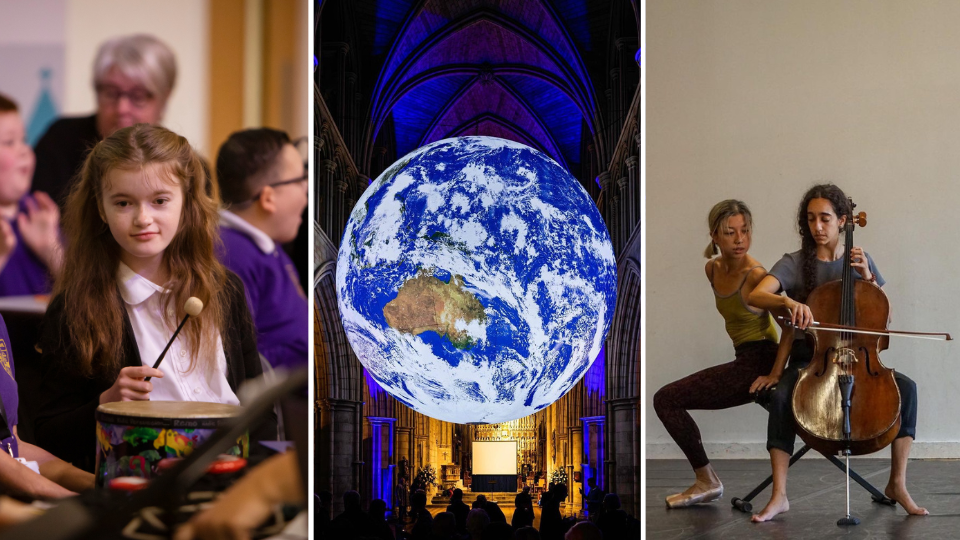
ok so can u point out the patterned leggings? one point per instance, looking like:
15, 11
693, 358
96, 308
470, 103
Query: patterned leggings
714, 388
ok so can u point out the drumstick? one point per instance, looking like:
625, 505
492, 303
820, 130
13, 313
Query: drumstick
193, 307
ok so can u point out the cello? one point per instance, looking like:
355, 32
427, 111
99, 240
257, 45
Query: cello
846, 401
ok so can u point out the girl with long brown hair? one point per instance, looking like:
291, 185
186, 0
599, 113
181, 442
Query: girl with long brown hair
758, 361
141, 227
823, 212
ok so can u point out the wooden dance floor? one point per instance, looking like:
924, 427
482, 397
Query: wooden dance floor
817, 499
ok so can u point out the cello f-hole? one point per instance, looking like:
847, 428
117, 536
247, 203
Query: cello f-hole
866, 355
826, 360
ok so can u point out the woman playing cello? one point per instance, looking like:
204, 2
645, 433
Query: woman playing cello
823, 212
732, 276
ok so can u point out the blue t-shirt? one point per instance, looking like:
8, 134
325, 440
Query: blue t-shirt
8, 390
789, 272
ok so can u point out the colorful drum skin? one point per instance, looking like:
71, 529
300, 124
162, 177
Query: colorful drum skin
133, 436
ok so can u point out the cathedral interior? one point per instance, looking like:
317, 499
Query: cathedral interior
561, 76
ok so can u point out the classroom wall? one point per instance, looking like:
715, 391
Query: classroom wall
759, 100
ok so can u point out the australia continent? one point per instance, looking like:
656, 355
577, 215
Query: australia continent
427, 304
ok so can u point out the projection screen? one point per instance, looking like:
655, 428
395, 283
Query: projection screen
495, 457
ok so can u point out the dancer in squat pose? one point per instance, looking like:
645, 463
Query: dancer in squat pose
821, 216
756, 366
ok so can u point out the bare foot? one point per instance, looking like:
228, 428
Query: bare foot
778, 504
900, 495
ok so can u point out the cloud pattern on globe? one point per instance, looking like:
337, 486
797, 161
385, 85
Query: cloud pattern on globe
476, 280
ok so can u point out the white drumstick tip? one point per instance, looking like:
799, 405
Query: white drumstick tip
193, 306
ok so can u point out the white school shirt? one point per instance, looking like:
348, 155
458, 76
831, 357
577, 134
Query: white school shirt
141, 298
261, 239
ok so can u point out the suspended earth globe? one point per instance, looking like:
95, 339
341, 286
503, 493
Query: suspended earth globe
476, 280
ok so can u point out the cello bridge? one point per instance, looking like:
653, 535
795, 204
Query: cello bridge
844, 357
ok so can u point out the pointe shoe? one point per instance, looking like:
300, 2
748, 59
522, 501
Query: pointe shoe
680, 500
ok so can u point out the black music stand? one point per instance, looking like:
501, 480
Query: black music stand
744, 504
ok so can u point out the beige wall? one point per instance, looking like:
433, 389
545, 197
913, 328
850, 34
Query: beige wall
759, 100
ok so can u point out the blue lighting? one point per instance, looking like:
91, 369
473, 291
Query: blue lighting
596, 375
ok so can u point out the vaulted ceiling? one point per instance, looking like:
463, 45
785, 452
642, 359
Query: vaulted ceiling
526, 70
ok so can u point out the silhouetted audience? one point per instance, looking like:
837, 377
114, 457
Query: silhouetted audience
613, 520
324, 504
497, 531
526, 533
352, 522
612, 523
459, 509
495, 513
423, 527
587, 531
523, 509
594, 499
444, 526
551, 522
477, 519
376, 526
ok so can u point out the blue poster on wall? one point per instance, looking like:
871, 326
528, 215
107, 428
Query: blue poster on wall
33, 76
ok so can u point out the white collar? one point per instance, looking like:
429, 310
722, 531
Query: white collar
134, 288
232, 221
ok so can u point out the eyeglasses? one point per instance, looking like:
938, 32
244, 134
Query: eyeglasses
304, 178
138, 97
299, 145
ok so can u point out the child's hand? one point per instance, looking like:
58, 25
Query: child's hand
40, 229
8, 241
130, 385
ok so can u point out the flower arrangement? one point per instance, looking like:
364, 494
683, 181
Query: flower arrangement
559, 476
427, 475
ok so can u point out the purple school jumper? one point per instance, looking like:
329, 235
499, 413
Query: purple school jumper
24, 273
8, 390
276, 300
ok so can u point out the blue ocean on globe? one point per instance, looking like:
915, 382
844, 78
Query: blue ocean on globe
476, 280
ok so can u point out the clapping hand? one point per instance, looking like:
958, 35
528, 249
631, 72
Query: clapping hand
40, 230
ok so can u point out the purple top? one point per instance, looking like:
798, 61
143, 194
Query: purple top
8, 389
24, 274
276, 300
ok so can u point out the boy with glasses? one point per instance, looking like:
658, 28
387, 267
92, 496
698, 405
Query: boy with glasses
263, 183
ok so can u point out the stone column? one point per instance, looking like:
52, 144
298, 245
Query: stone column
593, 448
337, 451
348, 127
611, 137
637, 138
614, 225
618, 107
343, 205
575, 460
325, 215
626, 224
634, 191
343, 50
382, 435
624, 466
605, 193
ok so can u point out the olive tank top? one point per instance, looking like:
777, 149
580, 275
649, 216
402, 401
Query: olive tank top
743, 324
